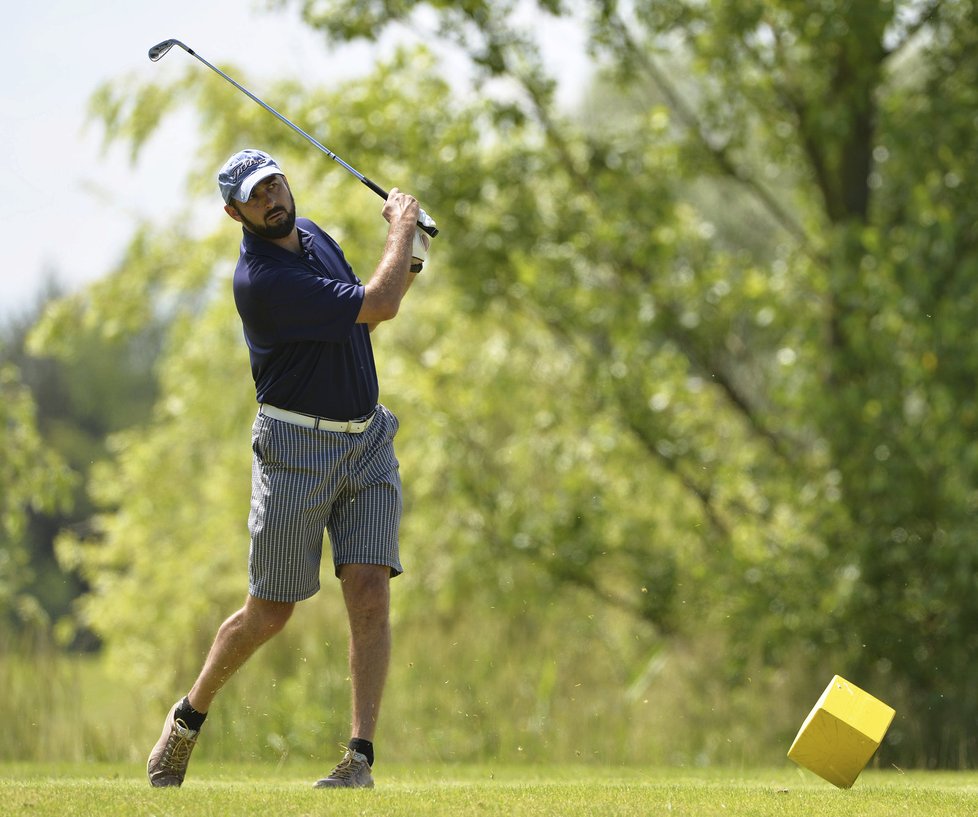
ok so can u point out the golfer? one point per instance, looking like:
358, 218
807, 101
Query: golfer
323, 448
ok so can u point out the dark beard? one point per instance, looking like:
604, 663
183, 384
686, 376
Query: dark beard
279, 230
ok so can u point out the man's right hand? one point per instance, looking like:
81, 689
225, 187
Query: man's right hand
401, 206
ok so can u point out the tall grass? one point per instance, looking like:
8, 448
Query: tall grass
63, 708
554, 686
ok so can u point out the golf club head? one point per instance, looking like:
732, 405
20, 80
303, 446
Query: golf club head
159, 50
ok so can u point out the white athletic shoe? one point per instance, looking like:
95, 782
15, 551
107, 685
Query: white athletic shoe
167, 764
353, 772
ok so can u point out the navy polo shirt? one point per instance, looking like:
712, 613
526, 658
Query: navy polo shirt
299, 312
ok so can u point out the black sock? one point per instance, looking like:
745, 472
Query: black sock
189, 715
364, 747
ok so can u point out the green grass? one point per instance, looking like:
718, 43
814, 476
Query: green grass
458, 791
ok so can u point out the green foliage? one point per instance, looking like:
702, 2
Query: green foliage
95, 385
699, 356
796, 393
33, 478
149, 549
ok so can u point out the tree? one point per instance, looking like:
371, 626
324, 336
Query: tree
698, 353
821, 408
93, 387
32, 478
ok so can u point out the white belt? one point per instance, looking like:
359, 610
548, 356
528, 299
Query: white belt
318, 423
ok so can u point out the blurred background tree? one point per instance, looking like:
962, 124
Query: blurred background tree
686, 388
58, 412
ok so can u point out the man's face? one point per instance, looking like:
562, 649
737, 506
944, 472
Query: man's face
270, 212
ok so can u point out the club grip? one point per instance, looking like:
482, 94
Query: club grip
375, 187
427, 223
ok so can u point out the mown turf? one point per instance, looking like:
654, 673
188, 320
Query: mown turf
449, 791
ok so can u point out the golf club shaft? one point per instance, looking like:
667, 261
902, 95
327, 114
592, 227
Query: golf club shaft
425, 222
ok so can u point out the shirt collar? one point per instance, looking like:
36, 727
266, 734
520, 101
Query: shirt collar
256, 245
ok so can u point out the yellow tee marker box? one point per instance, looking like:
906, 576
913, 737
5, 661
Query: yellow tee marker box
841, 733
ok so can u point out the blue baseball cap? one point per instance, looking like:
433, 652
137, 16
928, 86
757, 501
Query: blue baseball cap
243, 171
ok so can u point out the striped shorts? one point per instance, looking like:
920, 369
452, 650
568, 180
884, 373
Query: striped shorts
305, 482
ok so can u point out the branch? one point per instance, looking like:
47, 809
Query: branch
704, 495
589, 582
737, 399
565, 336
908, 35
721, 155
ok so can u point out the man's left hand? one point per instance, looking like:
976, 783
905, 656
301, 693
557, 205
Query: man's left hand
421, 243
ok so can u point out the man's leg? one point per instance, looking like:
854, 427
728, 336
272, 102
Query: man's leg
236, 641
366, 591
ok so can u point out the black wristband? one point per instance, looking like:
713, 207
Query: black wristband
417, 267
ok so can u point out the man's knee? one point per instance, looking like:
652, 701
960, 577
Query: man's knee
269, 617
366, 588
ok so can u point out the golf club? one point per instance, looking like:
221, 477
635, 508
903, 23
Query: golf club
157, 52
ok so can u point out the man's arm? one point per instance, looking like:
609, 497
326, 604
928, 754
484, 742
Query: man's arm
407, 286
419, 252
391, 279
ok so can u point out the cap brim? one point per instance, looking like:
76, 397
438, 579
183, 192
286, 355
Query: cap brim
244, 191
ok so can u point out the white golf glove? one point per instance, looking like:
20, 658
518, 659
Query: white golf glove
425, 220
421, 243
